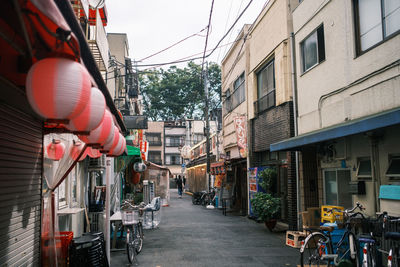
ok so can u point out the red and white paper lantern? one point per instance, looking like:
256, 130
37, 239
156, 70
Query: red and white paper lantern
55, 150
92, 115
102, 134
114, 142
93, 153
77, 149
58, 88
120, 148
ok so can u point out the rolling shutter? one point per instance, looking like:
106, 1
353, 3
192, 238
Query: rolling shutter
21, 138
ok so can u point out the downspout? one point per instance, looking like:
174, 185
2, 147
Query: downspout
294, 92
375, 170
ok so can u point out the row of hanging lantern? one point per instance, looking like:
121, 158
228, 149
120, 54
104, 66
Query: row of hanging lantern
61, 91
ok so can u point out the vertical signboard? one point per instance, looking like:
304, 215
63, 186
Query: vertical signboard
240, 123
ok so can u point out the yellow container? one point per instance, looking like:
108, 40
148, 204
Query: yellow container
328, 216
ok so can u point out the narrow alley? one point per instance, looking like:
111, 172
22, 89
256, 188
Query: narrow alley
191, 235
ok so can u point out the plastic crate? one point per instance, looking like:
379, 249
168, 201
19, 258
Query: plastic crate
294, 238
330, 217
62, 243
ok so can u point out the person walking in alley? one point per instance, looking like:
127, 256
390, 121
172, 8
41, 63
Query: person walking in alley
179, 183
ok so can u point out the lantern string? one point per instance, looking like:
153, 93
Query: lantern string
61, 34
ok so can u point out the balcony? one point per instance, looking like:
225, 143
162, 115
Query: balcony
98, 43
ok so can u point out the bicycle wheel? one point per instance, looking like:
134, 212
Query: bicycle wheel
130, 247
138, 237
354, 250
312, 251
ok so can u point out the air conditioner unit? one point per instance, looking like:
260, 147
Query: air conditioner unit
97, 164
73, 221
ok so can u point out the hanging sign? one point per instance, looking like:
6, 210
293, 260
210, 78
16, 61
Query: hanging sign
241, 134
144, 149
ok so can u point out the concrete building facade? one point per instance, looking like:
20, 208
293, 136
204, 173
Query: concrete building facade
348, 88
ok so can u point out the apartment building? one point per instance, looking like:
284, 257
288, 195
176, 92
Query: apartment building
348, 103
259, 64
235, 107
155, 136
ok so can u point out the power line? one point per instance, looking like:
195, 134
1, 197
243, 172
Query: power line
208, 30
212, 51
184, 39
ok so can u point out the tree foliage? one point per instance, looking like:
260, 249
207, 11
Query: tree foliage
178, 93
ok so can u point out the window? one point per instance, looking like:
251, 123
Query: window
239, 93
155, 157
266, 87
154, 139
376, 20
313, 49
172, 159
336, 189
393, 170
197, 138
227, 104
364, 168
173, 141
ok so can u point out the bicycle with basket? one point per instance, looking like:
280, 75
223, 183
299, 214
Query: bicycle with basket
333, 243
132, 217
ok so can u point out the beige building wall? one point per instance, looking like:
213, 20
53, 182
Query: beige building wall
269, 39
233, 65
341, 69
118, 44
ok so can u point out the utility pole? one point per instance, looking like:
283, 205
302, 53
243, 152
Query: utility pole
207, 126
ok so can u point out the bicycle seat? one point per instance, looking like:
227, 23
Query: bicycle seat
366, 239
392, 236
327, 228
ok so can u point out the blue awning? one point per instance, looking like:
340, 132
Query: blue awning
373, 122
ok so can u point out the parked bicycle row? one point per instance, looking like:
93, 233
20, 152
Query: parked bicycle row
353, 240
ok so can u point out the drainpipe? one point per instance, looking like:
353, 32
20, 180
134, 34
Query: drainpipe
294, 92
107, 223
376, 180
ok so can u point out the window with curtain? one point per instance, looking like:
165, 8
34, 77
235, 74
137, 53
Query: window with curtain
266, 86
174, 141
154, 139
376, 21
155, 157
313, 49
172, 159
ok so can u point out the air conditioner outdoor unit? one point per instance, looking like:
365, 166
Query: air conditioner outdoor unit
97, 164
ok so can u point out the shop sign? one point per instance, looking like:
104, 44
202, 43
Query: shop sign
241, 134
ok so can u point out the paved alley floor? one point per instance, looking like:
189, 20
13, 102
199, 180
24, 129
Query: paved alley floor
191, 235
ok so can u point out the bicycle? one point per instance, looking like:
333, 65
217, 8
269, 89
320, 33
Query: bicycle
392, 225
132, 217
318, 248
373, 242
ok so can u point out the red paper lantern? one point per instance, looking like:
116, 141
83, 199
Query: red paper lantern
92, 115
102, 134
114, 142
76, 150
55, 150
93, 153
119, 148
135, 177
58, 88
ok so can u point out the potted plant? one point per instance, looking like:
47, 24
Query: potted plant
267, 207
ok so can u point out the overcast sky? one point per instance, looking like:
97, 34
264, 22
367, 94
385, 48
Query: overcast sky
152, 25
